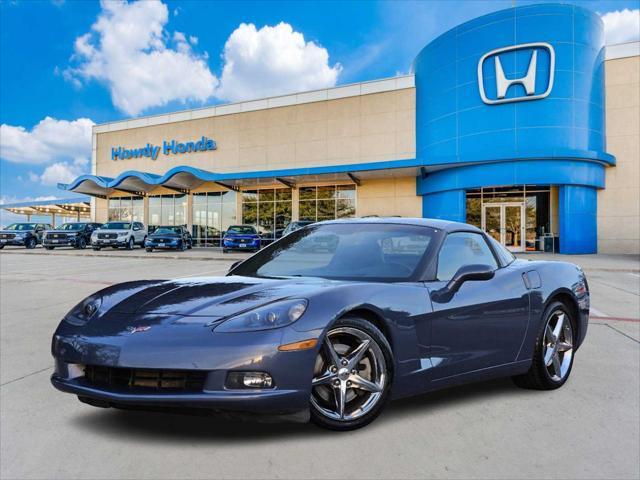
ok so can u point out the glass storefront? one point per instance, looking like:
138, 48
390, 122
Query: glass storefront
269, 209
126, 208
167, 210
519, 217
213, 213
327, 202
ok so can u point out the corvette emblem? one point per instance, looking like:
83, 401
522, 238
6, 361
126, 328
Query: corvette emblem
138, 329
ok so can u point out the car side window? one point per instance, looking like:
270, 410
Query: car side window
463, 248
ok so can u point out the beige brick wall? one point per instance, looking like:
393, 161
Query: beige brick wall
619, 202
387, 197
360, 129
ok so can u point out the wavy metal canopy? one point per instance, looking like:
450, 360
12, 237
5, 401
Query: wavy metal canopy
185, 178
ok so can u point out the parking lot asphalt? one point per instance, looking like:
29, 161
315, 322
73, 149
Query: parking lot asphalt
590, 428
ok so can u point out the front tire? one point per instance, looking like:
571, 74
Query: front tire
82, 244
352, 376
31, 243
130, 243
553, 354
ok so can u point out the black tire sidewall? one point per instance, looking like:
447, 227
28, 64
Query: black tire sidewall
31, 243
130, 243
371, 330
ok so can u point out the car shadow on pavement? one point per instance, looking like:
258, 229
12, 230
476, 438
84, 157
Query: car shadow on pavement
168, 427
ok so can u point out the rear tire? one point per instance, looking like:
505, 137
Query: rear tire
553, 355
351, 390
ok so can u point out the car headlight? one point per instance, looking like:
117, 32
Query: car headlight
84, 311
20, 235
122, 234
273, 315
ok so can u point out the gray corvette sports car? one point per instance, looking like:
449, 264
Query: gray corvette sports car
328, 324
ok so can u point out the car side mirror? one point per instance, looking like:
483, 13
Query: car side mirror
234, 265
474, 272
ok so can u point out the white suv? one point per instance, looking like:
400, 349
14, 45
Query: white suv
119, 234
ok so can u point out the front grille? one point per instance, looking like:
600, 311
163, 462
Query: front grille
107, 235
7, 236
145, 379
57, 236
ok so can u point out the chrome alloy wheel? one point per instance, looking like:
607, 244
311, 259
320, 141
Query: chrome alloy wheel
558, 345
350, 375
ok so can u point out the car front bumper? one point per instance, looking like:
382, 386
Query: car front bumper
194, 348
107, 242
236, 245
168, 245
16, 242
69, 242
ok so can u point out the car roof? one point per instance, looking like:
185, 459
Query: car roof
445, 225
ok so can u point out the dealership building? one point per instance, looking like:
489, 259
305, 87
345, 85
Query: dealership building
520, 122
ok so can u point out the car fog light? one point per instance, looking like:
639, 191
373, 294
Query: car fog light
244, 380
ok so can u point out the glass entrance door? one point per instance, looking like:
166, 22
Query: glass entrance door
505, 223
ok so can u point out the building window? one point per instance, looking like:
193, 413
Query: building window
213, 213
268, 209
327, 202
129, 209
167, 210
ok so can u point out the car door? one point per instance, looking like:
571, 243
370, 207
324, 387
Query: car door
137, 232
483, 324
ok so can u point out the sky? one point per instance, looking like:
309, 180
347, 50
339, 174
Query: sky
66, 65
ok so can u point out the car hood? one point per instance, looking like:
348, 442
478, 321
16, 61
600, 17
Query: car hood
17, 231
69, 232
242, 235
164, 235
211, 297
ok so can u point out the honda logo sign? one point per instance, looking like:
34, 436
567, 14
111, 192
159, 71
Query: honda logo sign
528, 81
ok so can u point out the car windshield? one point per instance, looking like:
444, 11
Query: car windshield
71, 226
242, 230
167, 231
348, 251
22, 226
116, 226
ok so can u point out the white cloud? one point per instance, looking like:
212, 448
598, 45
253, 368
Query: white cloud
127, 49
621, 26
49, 140
61, 172
272, 61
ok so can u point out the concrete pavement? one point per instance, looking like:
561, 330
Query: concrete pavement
588, 429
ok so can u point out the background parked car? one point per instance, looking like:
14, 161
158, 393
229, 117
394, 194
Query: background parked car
297, 225
74, 234
241, 237
119, 234
170, 236
23, 234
